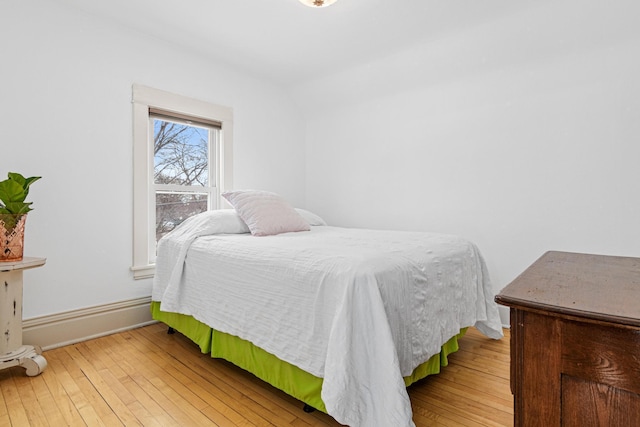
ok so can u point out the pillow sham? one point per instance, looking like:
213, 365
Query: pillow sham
265, 213
310, 217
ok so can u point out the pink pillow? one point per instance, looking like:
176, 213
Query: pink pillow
265, 213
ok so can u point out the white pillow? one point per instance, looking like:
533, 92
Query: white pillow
221, 221
310, 217
265, 213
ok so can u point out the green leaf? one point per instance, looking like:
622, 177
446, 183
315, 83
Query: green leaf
18, 207
24, 182
11, 191
14, 191
15, 176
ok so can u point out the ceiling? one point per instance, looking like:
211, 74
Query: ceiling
289, 43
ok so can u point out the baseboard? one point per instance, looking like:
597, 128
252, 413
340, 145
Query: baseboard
71, 327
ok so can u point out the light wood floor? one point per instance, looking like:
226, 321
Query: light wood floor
147, 377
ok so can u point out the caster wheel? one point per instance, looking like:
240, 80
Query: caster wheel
34, 365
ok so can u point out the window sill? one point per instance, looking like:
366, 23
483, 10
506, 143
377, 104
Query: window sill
143, 271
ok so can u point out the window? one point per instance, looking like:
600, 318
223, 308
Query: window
182, 163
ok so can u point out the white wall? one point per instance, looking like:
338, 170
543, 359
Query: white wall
521, 134
65, 110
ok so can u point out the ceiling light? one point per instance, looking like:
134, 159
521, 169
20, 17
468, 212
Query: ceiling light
317, 3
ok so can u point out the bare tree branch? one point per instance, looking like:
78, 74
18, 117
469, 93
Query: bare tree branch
181, 157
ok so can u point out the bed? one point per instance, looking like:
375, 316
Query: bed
343, 319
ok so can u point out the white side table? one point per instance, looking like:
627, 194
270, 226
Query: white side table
12, 352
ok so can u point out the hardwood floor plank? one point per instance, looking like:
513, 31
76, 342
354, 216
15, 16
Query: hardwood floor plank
170, 401
66, 407
111, 349
75, 391
108, 394
149, 405
197, 396
491, 400
85, 380
47, 401
146, 377
16, 411
475, 379
219, 394
469, 409
145, 417
5, 420
31, 402
275, 412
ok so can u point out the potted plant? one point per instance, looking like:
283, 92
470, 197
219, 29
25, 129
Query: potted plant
13, 214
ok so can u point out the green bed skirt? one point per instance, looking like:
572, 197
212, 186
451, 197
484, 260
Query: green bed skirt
282, 375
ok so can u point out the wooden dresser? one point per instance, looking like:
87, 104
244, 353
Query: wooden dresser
575, 341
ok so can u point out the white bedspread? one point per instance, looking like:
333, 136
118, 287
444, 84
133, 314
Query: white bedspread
359, 308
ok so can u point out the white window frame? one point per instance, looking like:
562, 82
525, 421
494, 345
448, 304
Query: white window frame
143, 203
